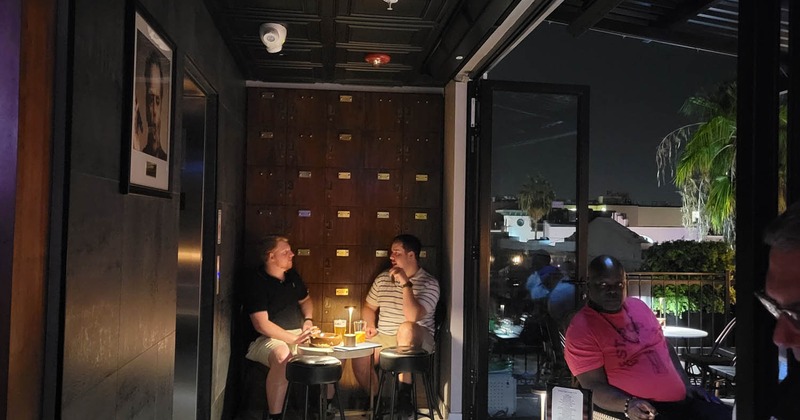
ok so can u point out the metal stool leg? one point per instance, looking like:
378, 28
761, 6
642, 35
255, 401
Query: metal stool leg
376, 411
394, 394
322, 401
429, 395
338, 400
414, 395
285, 402
305, 406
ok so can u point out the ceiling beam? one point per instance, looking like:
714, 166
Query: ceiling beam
684, 12
591, 16
700, 41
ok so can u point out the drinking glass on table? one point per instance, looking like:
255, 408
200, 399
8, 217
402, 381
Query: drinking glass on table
340, 327
360, 329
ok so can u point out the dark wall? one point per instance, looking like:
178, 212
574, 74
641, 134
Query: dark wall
121, 251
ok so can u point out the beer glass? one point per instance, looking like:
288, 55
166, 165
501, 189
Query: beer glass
340, 327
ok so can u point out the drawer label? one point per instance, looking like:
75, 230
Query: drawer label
267, 134
346, 98
421, 216
384, 176
381, 253
304, 174
344, 175
343, 214
383, 215
421, 178
304, 213
342, 252
343, 292
345, 137
303, 252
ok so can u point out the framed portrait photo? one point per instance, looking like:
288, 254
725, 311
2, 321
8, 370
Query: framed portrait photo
147, 146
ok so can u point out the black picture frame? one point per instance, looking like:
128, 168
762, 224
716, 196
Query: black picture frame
147, 135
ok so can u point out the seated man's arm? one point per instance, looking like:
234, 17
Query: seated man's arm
369, 314
612, 398
267, 328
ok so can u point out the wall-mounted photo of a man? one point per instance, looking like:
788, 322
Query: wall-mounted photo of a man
151, 119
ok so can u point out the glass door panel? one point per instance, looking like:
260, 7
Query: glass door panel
529, 172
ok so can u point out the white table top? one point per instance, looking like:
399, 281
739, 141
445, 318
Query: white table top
341, 352
683, 332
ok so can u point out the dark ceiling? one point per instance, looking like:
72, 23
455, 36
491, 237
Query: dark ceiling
328, 39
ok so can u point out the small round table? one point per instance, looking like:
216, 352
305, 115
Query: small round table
683, 332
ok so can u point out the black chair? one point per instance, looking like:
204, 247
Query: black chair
411, 360
314, 370
715, 356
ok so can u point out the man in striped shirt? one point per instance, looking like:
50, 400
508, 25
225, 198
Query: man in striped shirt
399, 308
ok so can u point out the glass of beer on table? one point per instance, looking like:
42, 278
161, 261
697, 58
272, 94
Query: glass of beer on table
340, 327
360, 329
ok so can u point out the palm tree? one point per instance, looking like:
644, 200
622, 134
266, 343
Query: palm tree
701, 159
536, 198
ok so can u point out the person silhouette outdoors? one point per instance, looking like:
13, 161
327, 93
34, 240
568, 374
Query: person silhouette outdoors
615, 348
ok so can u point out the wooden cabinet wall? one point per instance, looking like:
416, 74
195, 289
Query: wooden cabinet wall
340, 174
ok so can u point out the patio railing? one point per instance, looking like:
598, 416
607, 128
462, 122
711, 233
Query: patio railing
695, 300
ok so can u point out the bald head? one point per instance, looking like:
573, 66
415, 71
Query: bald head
606, 283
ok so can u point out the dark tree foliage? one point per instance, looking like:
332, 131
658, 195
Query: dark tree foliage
689, 257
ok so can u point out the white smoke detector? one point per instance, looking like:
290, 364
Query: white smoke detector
273, 36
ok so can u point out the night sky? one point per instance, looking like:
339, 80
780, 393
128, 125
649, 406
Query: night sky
637, 89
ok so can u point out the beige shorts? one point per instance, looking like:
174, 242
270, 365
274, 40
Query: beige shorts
386, 340
262, 347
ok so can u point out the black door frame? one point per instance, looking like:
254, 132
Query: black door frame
478, 222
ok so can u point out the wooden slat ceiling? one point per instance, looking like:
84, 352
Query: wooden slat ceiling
328, 39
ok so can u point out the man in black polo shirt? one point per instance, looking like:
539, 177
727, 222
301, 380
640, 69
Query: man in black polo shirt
280, 310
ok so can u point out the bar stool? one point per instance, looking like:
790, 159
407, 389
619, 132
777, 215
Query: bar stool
413, 360
314, 370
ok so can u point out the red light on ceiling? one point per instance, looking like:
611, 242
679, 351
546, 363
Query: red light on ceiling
377, 59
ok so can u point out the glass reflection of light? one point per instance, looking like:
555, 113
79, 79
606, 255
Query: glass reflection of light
190, 256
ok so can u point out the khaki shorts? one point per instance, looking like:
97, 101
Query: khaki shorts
386, 340
262, 347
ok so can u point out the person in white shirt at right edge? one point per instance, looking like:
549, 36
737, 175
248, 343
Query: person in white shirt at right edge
781, 297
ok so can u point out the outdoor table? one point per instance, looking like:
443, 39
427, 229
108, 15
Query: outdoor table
683, 332
725, 372
344, 353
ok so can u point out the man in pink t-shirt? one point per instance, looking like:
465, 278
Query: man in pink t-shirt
615, 347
